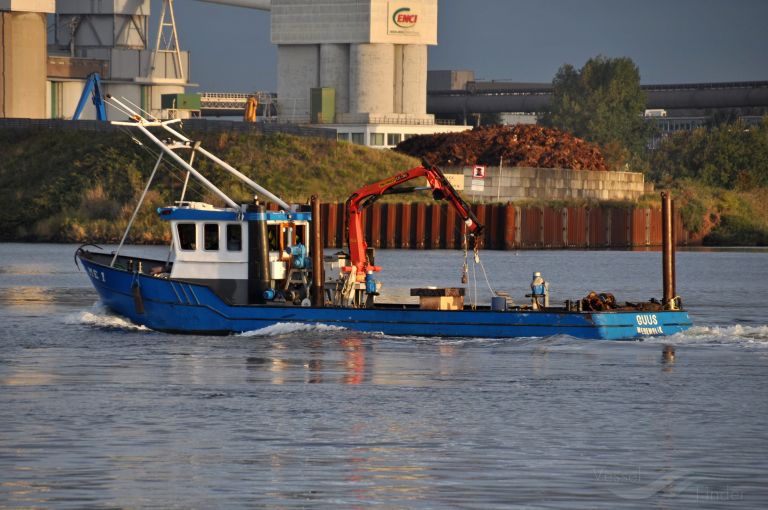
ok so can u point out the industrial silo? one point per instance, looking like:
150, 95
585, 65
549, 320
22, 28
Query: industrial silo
23, 59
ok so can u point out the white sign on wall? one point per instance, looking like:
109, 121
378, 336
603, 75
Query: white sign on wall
478, 185
456, 180
403, 18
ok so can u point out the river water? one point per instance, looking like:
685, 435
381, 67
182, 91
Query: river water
98, 413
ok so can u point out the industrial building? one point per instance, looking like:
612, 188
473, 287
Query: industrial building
112, 37
359, 67
685, 106
44, 76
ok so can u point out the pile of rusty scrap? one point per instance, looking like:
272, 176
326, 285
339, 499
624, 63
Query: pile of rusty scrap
522, 145
597, 302
594, 302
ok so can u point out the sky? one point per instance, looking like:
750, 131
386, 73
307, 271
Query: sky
671, 41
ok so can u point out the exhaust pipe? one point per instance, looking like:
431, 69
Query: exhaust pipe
258, 256
318, 268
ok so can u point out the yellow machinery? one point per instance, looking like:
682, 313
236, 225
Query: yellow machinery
251, 105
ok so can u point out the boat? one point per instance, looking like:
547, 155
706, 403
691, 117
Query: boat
244, 267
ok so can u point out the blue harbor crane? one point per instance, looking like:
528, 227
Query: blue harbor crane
92, 88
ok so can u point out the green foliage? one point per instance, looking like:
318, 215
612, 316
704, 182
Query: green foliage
62, 185
692, 212
603, 103
737, 231
71, 186
732, 156
721, 216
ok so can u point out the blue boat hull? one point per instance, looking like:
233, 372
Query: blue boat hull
174, 306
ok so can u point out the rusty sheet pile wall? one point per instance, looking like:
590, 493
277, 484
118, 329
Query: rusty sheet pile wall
507, 227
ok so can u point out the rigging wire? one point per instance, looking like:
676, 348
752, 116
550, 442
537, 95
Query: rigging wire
136, 210
173, 168
154, 153
476, 262
464, 268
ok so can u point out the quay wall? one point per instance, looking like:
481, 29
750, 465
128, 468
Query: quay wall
525, 183
507, 227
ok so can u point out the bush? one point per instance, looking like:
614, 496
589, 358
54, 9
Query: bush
732, 156
692, 212
65, 185
737, 231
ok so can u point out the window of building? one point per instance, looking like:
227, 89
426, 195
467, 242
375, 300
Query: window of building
342, 137
358, 138
187, 236
394, 138
408, 135
234, 238
377, 139
211, 231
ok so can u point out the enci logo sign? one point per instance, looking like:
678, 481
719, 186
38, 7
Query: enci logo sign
403, 18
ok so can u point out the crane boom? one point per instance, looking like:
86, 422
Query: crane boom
92, 90
367, 195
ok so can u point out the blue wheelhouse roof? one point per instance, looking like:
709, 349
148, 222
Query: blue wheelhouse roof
187, 214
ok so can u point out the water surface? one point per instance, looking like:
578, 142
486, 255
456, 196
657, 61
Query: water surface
98, 413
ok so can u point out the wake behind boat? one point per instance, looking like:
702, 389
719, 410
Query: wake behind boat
242, 267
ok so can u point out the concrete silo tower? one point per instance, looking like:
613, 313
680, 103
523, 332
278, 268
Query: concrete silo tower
23, 58
367, 59
372, 53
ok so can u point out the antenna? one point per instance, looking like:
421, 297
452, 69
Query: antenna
167, 41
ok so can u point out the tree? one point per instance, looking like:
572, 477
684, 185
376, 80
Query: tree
733, 156
603, 103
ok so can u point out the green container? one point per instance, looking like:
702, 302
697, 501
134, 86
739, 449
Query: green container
322, 105
180, 101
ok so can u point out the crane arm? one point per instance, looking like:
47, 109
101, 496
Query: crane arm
367, 195
92, 89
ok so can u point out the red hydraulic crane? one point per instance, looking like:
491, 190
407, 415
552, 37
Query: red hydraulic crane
367, 195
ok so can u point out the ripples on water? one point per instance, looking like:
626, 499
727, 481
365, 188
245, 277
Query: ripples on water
98, 412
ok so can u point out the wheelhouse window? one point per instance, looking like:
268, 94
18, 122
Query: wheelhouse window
187, 236
211, 232
234, 238
301, 234
273, 237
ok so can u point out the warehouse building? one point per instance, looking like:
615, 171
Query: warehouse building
112, 38
109, 37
